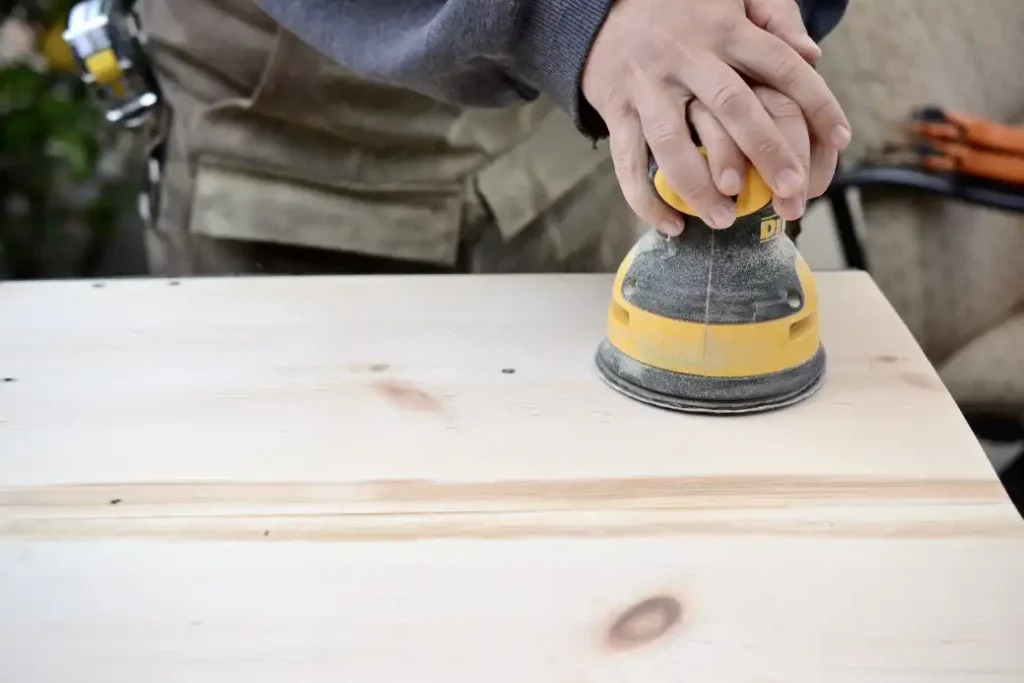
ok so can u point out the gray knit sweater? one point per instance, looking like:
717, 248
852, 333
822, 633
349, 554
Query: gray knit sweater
475, 52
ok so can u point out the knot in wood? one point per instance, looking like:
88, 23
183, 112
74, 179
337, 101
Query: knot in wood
645, 622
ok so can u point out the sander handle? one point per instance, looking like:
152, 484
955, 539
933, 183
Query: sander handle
754, 196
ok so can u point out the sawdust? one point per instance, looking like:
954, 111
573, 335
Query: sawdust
717, 276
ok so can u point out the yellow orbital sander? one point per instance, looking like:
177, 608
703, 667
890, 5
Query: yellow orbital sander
715, 321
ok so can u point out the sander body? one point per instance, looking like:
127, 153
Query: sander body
715, 321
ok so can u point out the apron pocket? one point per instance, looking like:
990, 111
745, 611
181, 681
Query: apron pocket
410, 225
529, 180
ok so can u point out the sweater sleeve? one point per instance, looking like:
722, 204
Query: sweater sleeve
467, 52
821, 16
475, 52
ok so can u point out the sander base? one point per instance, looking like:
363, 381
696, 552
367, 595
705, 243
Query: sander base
713, 395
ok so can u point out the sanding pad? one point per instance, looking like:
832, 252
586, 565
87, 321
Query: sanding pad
714, 395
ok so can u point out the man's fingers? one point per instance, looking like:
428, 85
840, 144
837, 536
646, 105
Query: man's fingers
793, 126
663, 117
734, 104
725, 159
824, 160
782, 18
629, 155
769, 60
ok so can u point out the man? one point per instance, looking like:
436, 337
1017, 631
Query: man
412, 135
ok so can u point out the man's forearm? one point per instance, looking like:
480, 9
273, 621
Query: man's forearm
468, 52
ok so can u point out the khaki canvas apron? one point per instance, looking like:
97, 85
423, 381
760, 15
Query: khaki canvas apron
269, 142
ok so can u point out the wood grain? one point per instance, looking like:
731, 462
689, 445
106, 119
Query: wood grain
384, 479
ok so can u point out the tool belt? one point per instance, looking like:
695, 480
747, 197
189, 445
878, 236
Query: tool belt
108, 48
961, 144
107, 45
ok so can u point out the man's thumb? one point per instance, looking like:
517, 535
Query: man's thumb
782, 19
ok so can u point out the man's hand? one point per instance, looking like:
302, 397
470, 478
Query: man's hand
654, 59
818, 161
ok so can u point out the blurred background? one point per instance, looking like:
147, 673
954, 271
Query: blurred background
941, 233
68, 181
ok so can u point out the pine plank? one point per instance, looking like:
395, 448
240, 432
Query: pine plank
422, 478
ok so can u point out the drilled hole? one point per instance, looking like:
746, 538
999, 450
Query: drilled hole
629, 287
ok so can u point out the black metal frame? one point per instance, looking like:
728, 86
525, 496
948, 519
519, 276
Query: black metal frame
849, 240
975, 191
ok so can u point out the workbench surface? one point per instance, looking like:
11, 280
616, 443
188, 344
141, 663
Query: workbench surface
388, 480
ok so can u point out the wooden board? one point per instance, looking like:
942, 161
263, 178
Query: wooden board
422, 479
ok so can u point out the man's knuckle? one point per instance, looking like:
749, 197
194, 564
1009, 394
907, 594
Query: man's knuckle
727, 24
782, 107
675, 53
626, 166
617, 111
768, 148
697, 189
663, 132
730, 101
825, 111
717, 141
624, 158
788, 70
